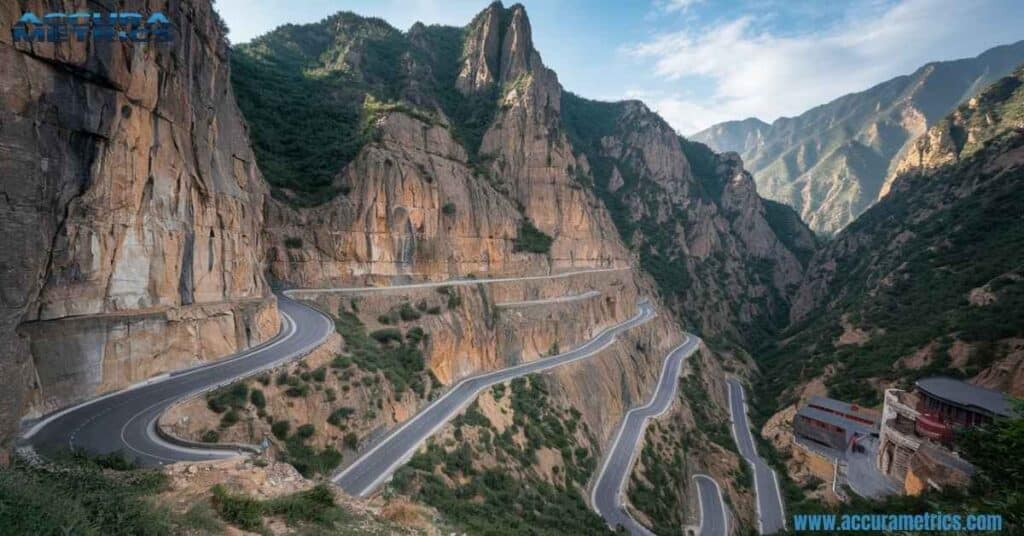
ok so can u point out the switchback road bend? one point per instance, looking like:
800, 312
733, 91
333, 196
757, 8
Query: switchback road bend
125, 421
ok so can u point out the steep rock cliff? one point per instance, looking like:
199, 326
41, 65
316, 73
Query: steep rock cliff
425, 198
724, 258
131, 210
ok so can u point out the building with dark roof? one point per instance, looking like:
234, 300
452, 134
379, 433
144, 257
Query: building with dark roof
834, 423
959, 403
918, 430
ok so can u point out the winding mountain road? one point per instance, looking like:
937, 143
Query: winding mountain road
125, 420
714, 521
606, 495
378, 463
771, 516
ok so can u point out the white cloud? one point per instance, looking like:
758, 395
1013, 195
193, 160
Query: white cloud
676, 5
753, 72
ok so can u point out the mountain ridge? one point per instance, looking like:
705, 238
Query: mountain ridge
832, 161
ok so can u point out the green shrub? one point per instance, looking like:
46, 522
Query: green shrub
422, 305
258, 399
298, 391
280, 429
351, 441
415, 335
400, 363
320, 374
531, 239
306, 431
239, 510
308, 460
386, 335
384, 319
434, 310
454, 300
293, 242
340, 415
448, 209
315, 505
264, 379
210, 436
229, 419
75, 495
407, 313
233, 396
282, 377
341, 362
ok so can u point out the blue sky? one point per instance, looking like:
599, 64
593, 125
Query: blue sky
699, 62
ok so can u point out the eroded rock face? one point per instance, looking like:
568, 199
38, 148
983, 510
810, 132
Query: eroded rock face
132, 212
723, 257
418, 205
394, 221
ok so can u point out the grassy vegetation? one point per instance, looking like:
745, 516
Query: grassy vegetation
231, 397
313, 509
511, 498
98, 496
531, 239
659, 494
386, 350
714, 426
306, 459
360, 69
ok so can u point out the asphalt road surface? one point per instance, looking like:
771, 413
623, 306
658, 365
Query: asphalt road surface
379, 462
771, 517
125, 420
606, 495
713, 519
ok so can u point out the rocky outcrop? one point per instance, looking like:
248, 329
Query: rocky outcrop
421, 204
965, 131
722, 256
131, 210
834, 161
414, 209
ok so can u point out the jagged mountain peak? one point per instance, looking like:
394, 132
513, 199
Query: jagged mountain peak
498, 48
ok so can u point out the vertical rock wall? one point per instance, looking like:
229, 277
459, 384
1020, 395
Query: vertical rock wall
131, 210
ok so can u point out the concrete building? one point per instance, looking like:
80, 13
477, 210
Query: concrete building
834, 423
918, 430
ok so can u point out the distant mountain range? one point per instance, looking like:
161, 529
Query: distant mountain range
833, 161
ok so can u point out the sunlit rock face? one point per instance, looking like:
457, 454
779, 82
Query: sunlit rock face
132, 209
